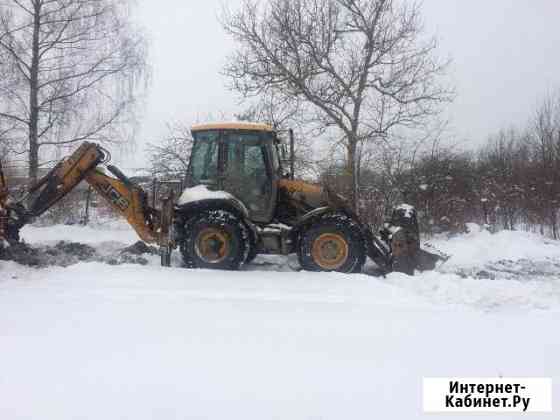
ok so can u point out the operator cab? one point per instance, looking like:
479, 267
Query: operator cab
240, 158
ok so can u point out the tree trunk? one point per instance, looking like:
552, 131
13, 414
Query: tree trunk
352, 174
553, 223
34, 97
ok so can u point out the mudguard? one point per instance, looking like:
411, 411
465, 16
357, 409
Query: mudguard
184, 212
311, 215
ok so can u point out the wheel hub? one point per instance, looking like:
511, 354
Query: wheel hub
212, 245
330, 251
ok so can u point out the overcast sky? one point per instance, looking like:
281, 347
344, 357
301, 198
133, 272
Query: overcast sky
506, 55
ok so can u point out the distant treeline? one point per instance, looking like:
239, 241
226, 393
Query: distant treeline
512, 182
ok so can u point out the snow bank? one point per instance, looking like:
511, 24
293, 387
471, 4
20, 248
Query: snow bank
117, 230
493, 295
479, 247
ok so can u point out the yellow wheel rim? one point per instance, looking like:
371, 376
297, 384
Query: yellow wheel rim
212, 245
330, 251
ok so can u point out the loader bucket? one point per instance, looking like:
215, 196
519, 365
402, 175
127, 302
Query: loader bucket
404, 246
407, 255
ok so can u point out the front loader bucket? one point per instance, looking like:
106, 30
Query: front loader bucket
426, 261
403, 234
405, 249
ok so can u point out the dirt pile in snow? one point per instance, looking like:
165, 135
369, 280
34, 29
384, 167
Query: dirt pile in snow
134, 254
66, 253
22, 254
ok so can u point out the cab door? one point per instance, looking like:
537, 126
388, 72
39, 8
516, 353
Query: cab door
204, 161
248, 172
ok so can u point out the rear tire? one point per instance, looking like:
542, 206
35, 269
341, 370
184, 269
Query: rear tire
333, 243
215, 239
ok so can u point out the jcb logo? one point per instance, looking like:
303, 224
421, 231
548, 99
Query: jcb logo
115, 197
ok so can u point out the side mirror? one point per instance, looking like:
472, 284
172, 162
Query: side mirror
287, 156
285, 160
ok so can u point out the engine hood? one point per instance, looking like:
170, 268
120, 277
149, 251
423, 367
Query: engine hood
310, 195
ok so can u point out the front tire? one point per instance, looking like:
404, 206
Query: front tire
333, 243
215, 239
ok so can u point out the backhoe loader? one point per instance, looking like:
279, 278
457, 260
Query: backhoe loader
241, 200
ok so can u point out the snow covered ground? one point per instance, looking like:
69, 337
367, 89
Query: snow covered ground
100, 341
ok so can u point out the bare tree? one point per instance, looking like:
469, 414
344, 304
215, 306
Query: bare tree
271, 108
73, 68
545, 140
8, 128
363, 66
283, 114
170, 157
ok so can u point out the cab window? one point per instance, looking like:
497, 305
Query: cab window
204, 158
247, 175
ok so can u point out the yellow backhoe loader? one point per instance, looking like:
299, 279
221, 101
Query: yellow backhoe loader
241, 200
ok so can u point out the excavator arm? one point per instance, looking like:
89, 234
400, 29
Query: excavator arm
125, 197
129, 200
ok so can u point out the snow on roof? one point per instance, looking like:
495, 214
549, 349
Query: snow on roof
232, 125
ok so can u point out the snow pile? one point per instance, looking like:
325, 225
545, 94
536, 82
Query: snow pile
479, 247
494, 295
109, 231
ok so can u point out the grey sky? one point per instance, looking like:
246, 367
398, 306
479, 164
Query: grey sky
505, 57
